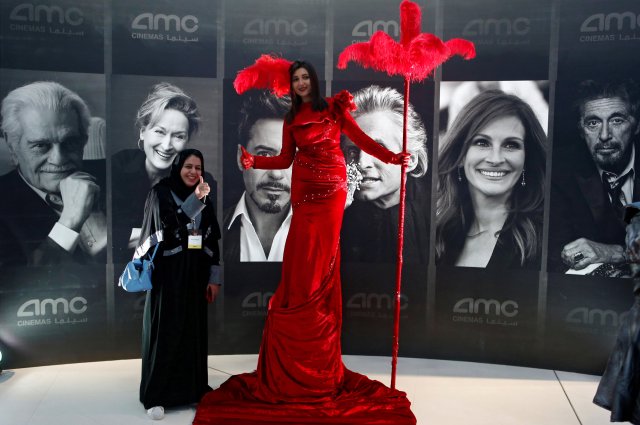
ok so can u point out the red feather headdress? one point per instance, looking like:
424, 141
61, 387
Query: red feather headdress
268, 72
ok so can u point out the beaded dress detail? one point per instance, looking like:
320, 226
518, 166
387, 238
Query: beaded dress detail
300, 377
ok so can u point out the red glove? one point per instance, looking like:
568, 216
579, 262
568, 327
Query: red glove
246, 159
401, 159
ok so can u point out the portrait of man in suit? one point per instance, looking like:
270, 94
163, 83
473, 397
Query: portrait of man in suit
256, 228
53, 207
591, 185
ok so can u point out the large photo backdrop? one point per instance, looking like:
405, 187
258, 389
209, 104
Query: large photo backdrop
513, 239
53, 283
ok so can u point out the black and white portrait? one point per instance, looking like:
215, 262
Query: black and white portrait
370, 226
155, 119
54, 177
256, 223
491, 176
593, 175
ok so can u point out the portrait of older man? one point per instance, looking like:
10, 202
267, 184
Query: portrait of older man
53, 208
369, 230
256, 228
589, 190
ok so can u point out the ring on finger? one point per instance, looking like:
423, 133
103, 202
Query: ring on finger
578, 256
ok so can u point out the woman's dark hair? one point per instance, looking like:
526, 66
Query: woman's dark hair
175, 181
454, 210
318, 103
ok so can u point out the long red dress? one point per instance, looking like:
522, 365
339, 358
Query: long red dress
300, 376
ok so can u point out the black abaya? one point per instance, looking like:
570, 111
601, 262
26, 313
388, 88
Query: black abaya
174, 348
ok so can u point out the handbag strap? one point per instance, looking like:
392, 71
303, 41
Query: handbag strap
154, 252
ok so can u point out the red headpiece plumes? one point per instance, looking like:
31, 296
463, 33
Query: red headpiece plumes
268, 72
414, 57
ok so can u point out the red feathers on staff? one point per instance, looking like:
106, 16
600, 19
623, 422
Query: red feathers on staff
414, 57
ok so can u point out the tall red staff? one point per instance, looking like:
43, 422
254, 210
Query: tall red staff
414, 58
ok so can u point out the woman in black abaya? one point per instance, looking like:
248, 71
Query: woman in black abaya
186, 275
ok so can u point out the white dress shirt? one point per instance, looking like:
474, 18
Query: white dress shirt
250, 246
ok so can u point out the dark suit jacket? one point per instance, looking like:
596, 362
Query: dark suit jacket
370, 234
580, 206
26, 220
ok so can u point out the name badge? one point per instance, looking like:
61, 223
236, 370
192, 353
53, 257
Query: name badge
194, 242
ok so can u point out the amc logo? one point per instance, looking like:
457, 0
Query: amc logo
160, 21
497, 27
28, 12
367, 28
35, 307
594, 316
361, 301
507, 308
276, 26
602, 22
257, 300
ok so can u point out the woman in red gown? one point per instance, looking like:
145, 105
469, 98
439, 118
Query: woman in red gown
300, 376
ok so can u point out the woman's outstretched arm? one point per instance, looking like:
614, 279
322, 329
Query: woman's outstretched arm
367, 144
281, 161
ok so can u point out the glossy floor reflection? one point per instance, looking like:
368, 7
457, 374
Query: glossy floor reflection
441, 392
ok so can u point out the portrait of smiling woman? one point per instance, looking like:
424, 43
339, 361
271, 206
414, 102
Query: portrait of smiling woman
165, 122
491, 185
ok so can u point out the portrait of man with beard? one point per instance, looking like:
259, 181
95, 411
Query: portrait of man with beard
590, 187
256, 228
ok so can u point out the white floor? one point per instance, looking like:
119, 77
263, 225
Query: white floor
441, 392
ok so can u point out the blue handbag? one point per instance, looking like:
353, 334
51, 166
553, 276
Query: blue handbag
136, 276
